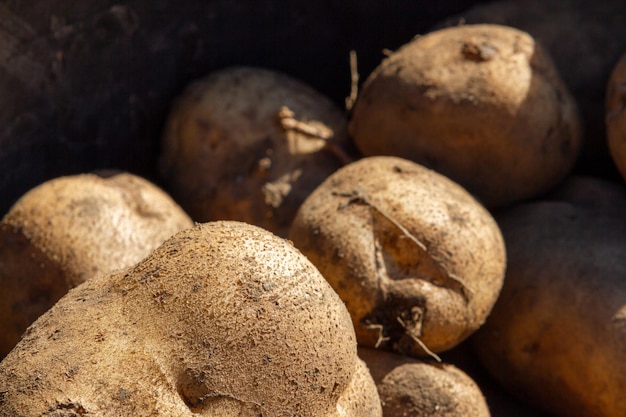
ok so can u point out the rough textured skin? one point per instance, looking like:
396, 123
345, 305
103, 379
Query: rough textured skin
227, 155
482, 104
412, 388
224, 319
412, 254
70, 229
557, 334
616, 115
361, 397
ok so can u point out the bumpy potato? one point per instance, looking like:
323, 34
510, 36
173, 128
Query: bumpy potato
417, 260
482, 104
71, 229
616, 115
250, 144
412, 388
224, 319
556, 337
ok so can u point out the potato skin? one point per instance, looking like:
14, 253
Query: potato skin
585, 40
436, 285
616, 115
482, 104
222, 319
71, 229
557, 336
229, 151
591, 192
413, 388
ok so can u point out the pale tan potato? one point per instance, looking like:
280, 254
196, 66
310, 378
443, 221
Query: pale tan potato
224, 319
417, 260
249, 144
556, 337
71, 229
616, 115
361, 397
412, 388
481, 104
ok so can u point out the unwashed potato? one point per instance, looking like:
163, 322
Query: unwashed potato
592, 192
417, 260
501, 403
585, 39
412, 388
70, 229
556, 337
616, 115
224, 319
482, 104
250, 144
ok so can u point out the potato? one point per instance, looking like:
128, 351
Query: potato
500, 402
70, 229
250, 144
591, 192
413, 388
585, 39
616, 115
556, 337
361, 397
224, 319
417, 260
482, 104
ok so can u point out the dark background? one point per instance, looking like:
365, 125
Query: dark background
87, 85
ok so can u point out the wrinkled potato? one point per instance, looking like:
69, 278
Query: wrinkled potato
412, 388
556, 337
616, 115
417, 260
71, 229
224, 319
250, 144
482, 104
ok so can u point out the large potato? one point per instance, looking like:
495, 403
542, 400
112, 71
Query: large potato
591, 192
585, 39
223, 319
557, 334
501, 403
616, 115
250, 144
482, 104
71, 229
417, 260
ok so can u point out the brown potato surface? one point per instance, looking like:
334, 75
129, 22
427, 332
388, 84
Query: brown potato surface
417, 260
71, 229
250, 144
616, 115
556, 337
585, 40
224, 319
482, 104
